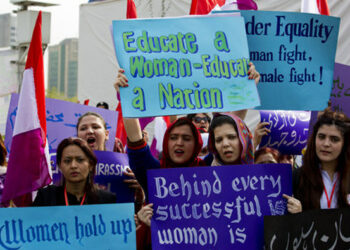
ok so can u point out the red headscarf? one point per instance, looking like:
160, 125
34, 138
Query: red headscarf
166, 162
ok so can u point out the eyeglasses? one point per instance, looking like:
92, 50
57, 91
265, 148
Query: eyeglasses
199, 119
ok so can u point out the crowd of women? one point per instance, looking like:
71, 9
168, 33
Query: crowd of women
321, 182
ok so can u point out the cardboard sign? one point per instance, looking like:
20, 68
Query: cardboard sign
294, 53
68, 227
184, 65
289, 130
216, 207
109, 174
61, 121
318, 229
340, 96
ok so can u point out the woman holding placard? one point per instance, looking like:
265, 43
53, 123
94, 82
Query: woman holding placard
92, 128
323, 181
181, 146
77, 162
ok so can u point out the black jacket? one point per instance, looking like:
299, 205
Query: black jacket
54, 196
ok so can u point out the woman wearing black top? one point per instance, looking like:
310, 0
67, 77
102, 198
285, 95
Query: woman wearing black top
77, 163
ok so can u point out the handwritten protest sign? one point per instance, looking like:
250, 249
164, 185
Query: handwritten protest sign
216, 207
61, 120
289, 130
109, 173
340, 96
109, 226
294, 53
318, 229
184, 65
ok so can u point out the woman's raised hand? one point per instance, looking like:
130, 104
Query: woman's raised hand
260, 130
121, 80
253, 74
134, 184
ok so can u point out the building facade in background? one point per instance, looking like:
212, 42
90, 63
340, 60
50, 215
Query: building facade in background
8, 70
63, 67
8, 25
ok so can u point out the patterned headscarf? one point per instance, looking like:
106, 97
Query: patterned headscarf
245, 137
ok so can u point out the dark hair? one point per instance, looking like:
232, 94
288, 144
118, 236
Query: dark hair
266, 150
103, 104
191, 116
284, 157
93, 114
218, 121
310, 187
3, 152
89, 187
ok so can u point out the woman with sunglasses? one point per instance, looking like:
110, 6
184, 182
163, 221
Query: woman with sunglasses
201, 121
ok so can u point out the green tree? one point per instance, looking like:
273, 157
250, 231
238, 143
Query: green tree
55, 94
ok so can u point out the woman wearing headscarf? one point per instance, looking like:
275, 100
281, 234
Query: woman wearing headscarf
181, 145
230, 141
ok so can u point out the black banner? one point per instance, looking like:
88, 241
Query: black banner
319, 229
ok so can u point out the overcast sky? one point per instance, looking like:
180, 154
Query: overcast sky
64, 17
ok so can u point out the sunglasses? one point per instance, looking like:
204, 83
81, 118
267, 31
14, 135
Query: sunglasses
199, 119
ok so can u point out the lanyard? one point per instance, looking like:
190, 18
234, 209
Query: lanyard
329, 199
66, 198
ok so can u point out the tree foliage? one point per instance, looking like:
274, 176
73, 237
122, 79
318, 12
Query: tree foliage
55, 94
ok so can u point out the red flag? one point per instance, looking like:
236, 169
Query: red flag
86, 102
28, 166
193, 7
121, 133
203, 7
131, 10
323, 7
315, 7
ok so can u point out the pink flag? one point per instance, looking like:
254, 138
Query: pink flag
246, 5
28, 166
315, 7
